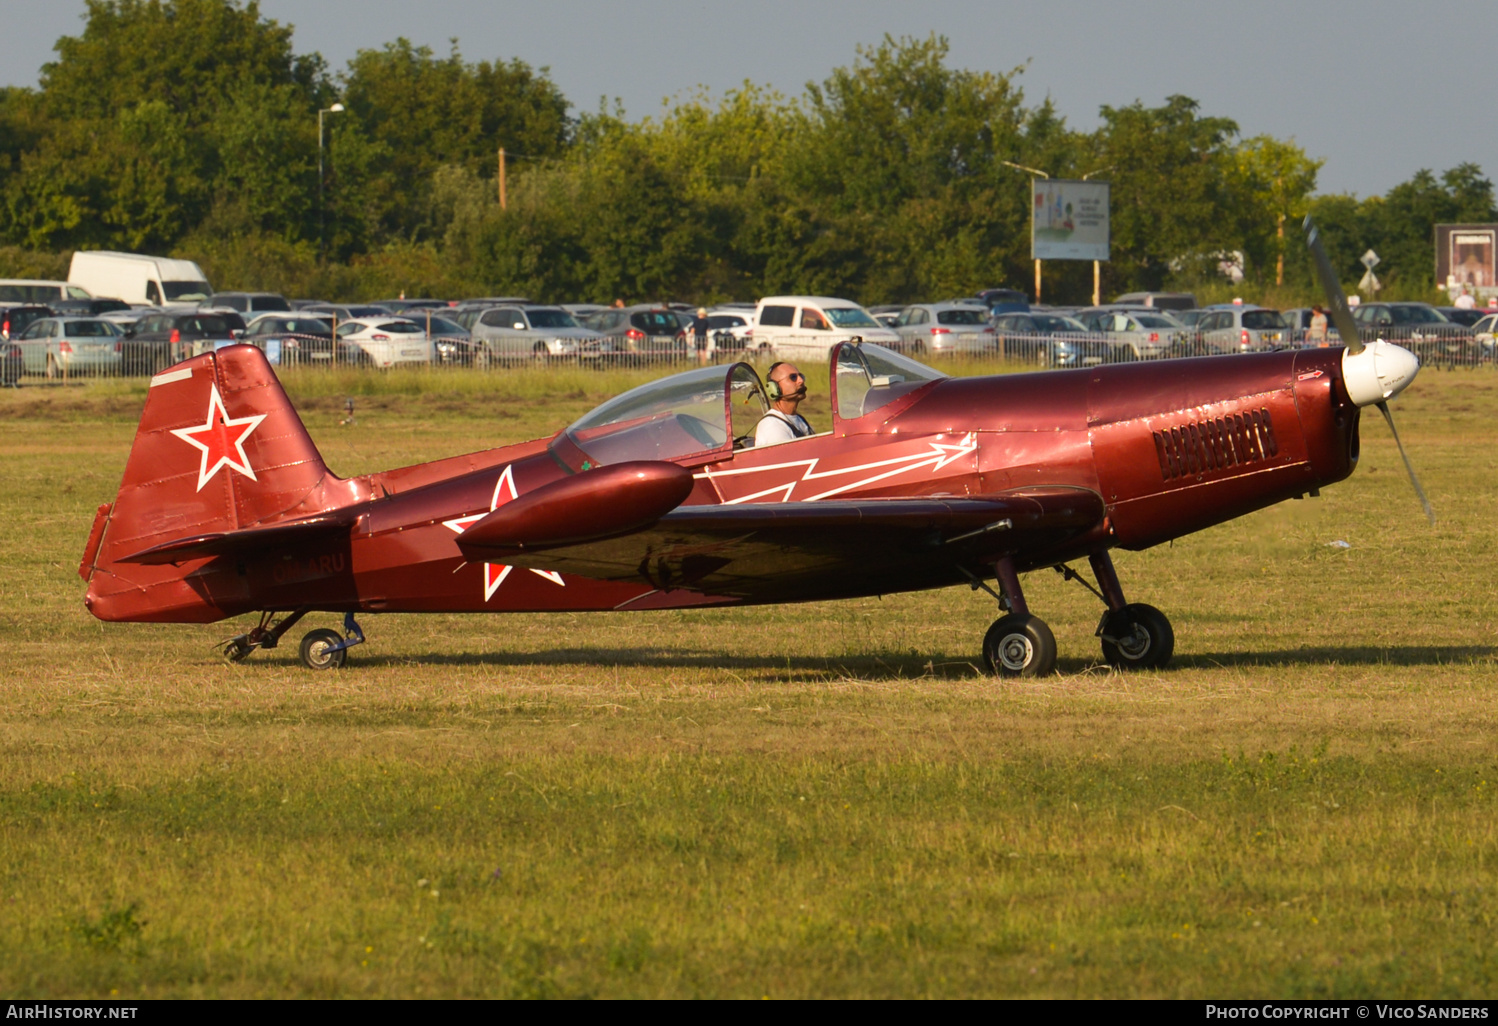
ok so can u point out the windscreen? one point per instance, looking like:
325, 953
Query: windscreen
186, 290
1263, 320
89, 329
550, 319
667, 419
443, 326
27, 293
970, 316
1417, 315
870, 376
1052, 322
1155, 321
850, 317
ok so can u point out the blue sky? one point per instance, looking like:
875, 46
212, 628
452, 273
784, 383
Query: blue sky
1378, 89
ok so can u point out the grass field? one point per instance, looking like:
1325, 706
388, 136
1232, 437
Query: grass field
824, 800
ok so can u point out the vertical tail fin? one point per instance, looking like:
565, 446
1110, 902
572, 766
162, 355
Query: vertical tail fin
219, 449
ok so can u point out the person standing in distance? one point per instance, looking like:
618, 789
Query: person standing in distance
786, 387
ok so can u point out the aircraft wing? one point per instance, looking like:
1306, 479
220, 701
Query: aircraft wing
775, 551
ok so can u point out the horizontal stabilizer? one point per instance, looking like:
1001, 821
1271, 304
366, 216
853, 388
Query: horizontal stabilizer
252, 541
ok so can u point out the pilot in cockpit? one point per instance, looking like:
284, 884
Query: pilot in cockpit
785, 386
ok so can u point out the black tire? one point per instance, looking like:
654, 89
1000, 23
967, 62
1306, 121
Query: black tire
1142, 638
237, 650
1019, 645
317, 652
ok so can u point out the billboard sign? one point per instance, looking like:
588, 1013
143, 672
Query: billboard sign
1069, 220
1465, 256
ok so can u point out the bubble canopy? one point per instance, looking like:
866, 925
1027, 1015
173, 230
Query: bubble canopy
694, 416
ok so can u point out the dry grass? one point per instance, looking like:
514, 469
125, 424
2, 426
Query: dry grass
815, 800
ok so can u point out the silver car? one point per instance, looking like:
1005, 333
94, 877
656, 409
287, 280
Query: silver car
944, 328
1243, 329
1138, 334
510, 333
66, 346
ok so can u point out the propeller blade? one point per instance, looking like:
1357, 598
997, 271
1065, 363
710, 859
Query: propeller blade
1340, 313
1430, 514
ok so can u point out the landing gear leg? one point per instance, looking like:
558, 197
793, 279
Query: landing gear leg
1017, 645
265, 635
323, 649
1134, 635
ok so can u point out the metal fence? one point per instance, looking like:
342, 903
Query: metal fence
27, 361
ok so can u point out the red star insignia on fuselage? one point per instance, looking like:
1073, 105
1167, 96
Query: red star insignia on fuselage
494, 573
221, 440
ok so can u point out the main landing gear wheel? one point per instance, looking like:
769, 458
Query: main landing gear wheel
1019, 645
323, 649
1138, 637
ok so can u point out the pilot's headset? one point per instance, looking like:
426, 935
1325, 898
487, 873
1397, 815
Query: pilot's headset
772, 387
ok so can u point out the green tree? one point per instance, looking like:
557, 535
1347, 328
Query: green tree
1173, 182
423, 112
1276, 182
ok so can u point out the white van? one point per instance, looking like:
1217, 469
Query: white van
810, 326
33, 292
137, 278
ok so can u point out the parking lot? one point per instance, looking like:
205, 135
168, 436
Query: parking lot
43, 339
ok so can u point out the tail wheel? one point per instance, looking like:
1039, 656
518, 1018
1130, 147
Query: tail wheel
1019, 645
1138, 637
321, 650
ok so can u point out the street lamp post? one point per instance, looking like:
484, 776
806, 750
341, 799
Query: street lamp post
1042, 174
322, 218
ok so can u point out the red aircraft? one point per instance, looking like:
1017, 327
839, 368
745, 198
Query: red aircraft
655, 500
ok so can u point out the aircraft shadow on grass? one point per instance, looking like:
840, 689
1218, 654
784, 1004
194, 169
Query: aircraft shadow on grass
1345, 655
944, 665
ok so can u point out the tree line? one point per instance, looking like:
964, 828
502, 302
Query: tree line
190, 128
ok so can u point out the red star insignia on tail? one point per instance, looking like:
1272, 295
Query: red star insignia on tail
221, 440
495, 573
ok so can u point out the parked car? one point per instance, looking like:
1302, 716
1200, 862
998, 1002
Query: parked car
944, 328
1485, 335
397, 306
87, 307
1052, 339
158, 340
1298, 320
138, 278
1137, 333
291, 338
16, 319
1243, 329
451, 342
1159, 300
1419, 327
38, 292
382, 342
10, 364
509, 333
644, 331
70, 346
247, 303
1465, 316
345, 311
809, 326
1004, 300
887, 314
730, 329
